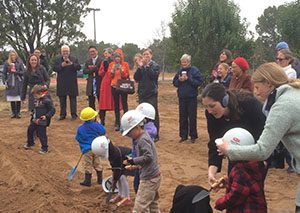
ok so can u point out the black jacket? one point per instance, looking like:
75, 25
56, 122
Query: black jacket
92, 73
43, 106
66, 77
147, 77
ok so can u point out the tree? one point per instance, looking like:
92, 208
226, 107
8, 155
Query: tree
130, 50
28, 24
202, 28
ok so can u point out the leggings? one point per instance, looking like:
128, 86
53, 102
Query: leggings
123, 186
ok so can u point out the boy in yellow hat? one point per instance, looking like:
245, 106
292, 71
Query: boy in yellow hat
85, 135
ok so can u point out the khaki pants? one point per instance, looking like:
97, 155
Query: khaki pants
146, 200
91, 161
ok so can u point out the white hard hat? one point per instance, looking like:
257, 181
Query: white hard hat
238, 136
147, 110
129, 120
106, 185
100, 147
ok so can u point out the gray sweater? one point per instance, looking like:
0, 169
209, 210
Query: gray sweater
282, 124
146, 157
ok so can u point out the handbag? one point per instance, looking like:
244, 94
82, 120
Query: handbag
125, 86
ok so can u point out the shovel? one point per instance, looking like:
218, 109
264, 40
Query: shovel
204, 193
73, 170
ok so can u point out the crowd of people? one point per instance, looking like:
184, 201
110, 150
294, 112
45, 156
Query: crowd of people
234, 98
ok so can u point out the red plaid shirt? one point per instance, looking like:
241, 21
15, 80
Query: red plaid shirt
244, 189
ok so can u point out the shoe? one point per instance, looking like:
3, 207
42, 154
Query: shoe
156, 139
290, 170
43, 152
182, 140
26, 146
61, 118
87, 180
116, 199
73, 118
125, 201
117, 128
99, 177
18, 115
13, 115
193, 140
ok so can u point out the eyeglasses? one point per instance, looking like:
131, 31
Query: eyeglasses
280, 59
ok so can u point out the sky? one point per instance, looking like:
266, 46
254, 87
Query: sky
139, 21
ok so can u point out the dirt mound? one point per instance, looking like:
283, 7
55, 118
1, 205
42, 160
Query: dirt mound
30, 182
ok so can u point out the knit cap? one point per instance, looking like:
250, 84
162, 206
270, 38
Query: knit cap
242, 63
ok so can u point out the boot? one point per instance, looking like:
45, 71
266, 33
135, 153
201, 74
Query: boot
13, 109
102, 116
99, 177
18, 109
87, 180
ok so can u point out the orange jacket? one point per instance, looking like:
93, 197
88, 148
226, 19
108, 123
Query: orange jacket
118, 75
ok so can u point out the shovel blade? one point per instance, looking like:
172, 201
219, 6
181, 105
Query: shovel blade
200, 196
72, 173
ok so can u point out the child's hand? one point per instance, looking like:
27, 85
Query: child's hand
131, 167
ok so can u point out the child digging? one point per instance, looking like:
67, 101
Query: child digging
40, 118
146, 157
85, 135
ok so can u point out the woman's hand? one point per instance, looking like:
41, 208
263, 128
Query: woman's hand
212, 173
223, 148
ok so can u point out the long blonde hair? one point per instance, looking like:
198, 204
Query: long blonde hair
138, 55
273, 74
9, 60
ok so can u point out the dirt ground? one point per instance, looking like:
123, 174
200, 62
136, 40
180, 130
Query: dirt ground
30, 182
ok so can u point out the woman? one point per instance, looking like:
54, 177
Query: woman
240, 79
226, 110
272, 84
118, 69
285, 59
105, 101
147, 77
224, 75
225, 57
13, 71
35, 74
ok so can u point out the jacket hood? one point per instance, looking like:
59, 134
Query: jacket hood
120, 51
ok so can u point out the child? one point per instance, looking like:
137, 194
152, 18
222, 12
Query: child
116, 155
147, 195
148, 111
40, 119
245, 184
85, 135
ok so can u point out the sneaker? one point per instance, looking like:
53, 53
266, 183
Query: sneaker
73, 118
42, 152
125, 201
290, 170
182, 140
18, 115
116, 199
26, 146
62, 118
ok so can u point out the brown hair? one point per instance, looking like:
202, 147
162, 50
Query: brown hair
28, 65
229, 56
149, 50
273, 74
287, 54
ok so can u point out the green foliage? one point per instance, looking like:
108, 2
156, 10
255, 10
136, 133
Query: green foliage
130, 50
28, 24
202, 28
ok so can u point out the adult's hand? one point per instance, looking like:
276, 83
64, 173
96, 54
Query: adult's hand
223, 148
212, 174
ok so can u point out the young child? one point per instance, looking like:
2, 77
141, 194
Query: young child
245, 184
147, 195
116, 155
41, 117
85, 135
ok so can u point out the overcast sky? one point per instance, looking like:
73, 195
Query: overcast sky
137, 21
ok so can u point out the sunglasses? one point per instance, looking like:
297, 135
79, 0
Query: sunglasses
280, 59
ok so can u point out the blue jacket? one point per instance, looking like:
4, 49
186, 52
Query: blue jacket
188, 88
87, 132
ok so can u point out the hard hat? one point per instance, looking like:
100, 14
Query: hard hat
87, 114
107, 184
147, 110
100, 147
129, 120
238, 136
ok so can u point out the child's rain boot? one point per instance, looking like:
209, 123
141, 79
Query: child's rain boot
99, 177
87, 180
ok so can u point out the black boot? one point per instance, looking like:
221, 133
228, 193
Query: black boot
18, 109
87, 180
13, 109
99, 177
102, 116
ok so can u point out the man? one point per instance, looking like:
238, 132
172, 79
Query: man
66, 67
43, 59
91, 68
187, 80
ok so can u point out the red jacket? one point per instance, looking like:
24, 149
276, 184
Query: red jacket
244, 189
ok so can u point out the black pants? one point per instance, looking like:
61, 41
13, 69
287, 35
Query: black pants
63, 106
92, 101
116, 96
188, 117
15, 107
102, 113
42, 133
153, 101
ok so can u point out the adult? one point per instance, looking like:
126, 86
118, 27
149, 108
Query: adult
147, 77
296, 63
224, 57
105, 101
226, 110
241, 80
42, 59
66, 67
35, 74
187, 80
224, 75
118, 69
93, 83
285, 59
271, 84
13, 71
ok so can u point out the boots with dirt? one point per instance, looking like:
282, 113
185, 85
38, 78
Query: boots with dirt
99, 177
87, 180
